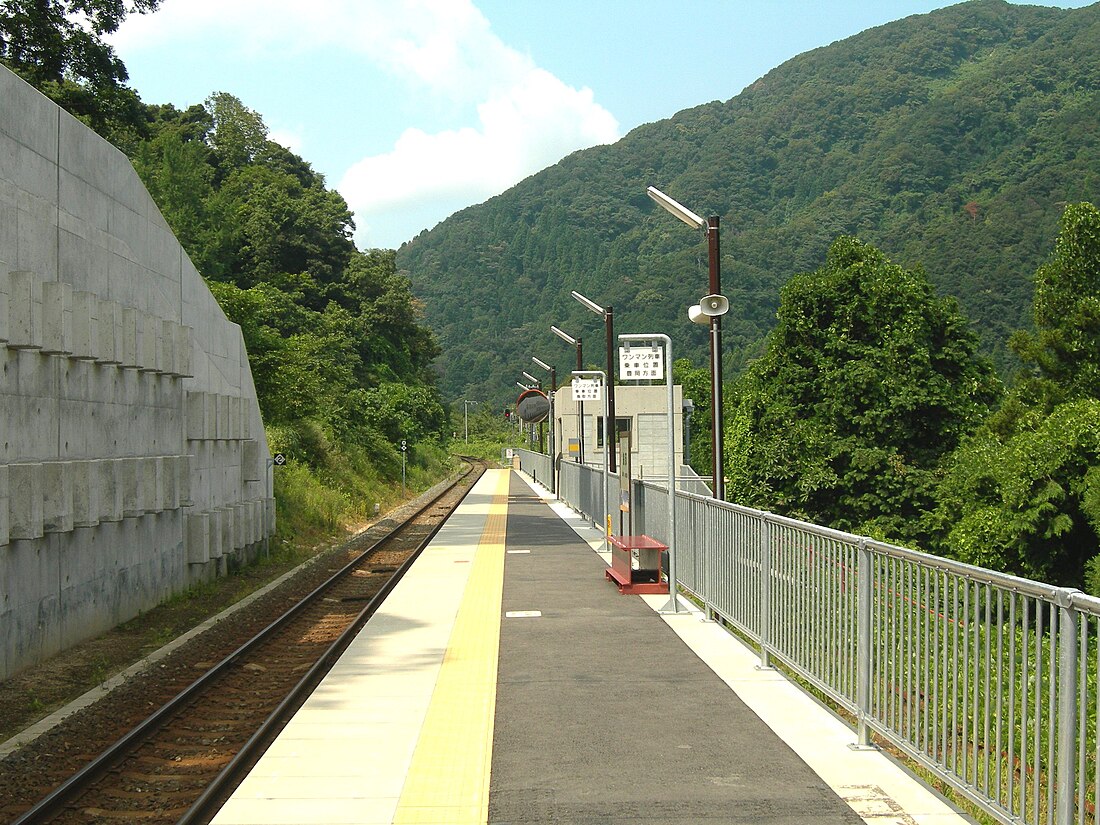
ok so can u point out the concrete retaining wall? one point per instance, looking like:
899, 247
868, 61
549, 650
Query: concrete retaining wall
133, 461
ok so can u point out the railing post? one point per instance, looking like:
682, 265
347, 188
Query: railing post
1067, 709
765, 593
863, 647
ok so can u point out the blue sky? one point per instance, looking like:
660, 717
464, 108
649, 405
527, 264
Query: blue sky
414, 109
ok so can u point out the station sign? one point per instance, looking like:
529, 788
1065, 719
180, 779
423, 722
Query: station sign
587, 389
642, 363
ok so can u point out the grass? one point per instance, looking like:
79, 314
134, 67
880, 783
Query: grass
326, 487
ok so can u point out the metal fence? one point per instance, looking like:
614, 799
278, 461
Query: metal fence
987, 680
536, 465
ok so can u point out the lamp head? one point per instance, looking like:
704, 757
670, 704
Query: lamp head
677, 209
588, 303
569, 339
541, 363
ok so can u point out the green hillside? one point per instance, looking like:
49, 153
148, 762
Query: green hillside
950, 141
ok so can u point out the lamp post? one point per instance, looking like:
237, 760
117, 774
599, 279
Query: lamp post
576, 343
710, 225
466, 418
553, 440
605, 528
609, 332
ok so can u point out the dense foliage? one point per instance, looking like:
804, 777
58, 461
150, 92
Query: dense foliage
333, 333
58, 46
950, 140
868, 380
1023, 493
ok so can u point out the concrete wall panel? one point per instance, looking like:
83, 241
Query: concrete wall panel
124, 395
5, 503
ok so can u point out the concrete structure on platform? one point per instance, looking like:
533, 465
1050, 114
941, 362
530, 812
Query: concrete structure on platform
642, 411
133, 461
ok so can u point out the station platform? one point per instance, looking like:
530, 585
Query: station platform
505, 680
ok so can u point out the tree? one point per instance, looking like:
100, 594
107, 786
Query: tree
49, 41
176, 167
1066, 311
868, 380
1028, 504
57, 46
238, 135
1022, 494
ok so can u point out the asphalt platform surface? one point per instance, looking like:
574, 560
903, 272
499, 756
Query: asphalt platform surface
603, 714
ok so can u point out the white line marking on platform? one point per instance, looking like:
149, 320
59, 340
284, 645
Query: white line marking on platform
523, 614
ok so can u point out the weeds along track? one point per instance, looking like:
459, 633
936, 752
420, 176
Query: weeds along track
172, 744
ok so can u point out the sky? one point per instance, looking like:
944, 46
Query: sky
415, 109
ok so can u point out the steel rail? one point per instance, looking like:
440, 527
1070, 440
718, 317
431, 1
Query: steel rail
53, 803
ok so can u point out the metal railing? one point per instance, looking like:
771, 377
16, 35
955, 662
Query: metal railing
987, 680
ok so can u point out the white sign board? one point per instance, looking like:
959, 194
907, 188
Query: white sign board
642, 363
587, 389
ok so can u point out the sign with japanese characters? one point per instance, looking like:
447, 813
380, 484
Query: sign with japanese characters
642, 363
587, 389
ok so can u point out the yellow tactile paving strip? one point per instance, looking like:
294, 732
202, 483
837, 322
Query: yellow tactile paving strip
448, 780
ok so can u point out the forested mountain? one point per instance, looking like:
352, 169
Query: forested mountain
950, 141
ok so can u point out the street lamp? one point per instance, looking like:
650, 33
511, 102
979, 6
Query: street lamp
714, 312
609, 332
532, 379
553, 441
605, 528
576, 343
466, 417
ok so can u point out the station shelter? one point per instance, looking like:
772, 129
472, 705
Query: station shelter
641, 414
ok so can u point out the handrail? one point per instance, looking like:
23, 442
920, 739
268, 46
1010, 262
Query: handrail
988, 680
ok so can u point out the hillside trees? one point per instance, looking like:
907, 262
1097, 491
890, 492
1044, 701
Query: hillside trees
868, 380
1023, 493
333, 334
58, 47
951, 139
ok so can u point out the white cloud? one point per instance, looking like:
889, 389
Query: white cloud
521, 130
527, 118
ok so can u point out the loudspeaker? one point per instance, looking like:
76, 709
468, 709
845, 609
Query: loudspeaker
713, 305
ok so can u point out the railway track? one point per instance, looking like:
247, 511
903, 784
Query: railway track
180, 762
